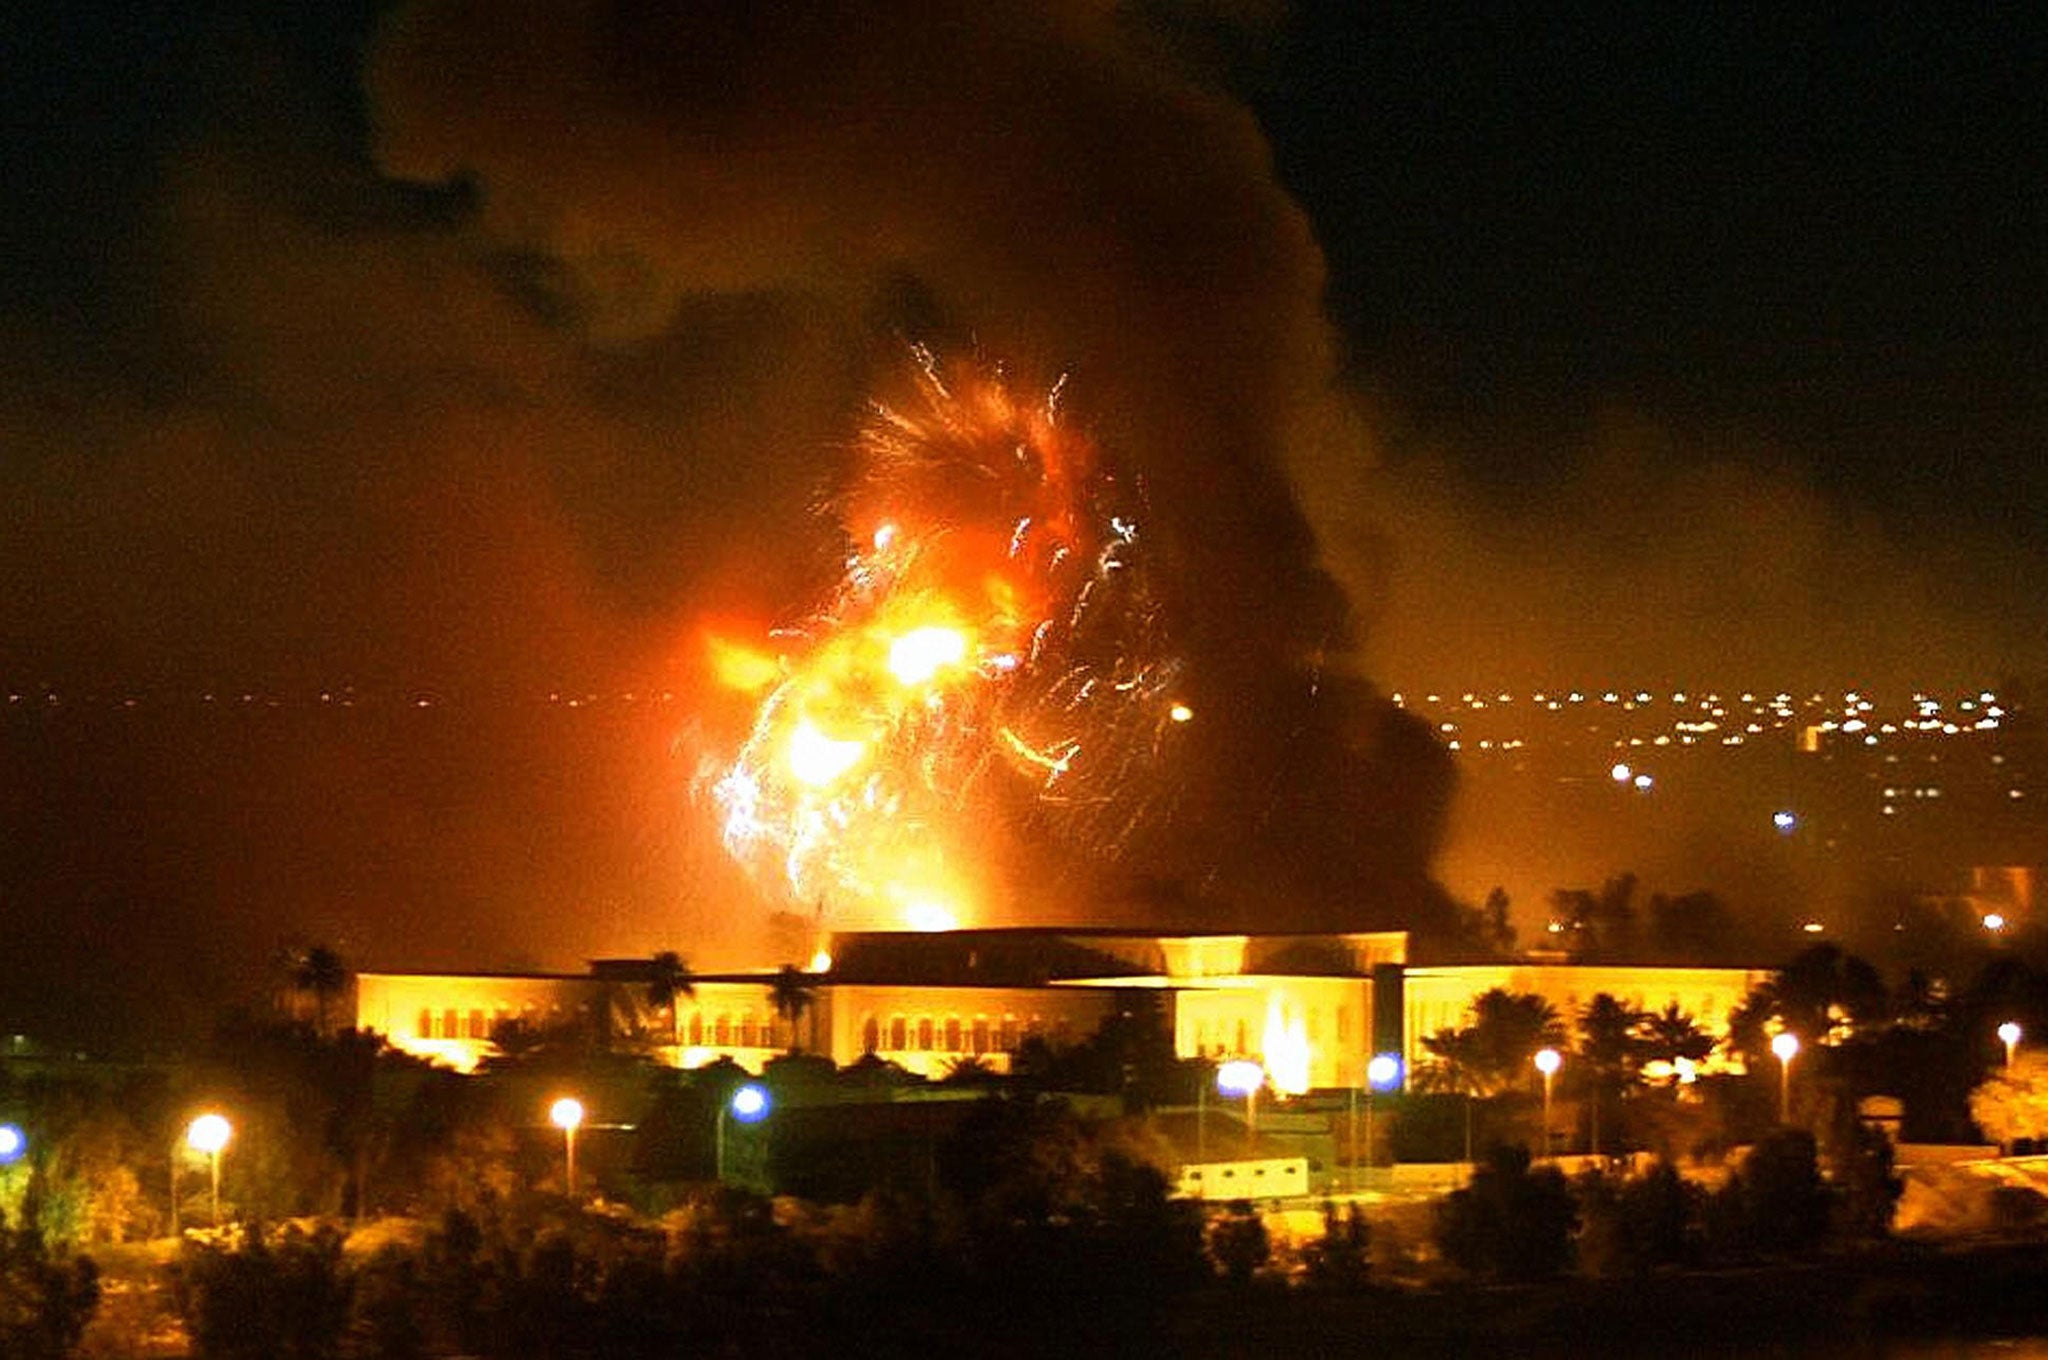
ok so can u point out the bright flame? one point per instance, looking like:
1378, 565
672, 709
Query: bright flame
920, 654
994, 638
929, 916
1286, 1051
819, 760
740, 667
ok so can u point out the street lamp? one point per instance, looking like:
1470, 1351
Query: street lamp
13, 1144
1547, 1062
1243, 1077
1382, 1073
566, 1114
1786, 1045
2009, 1035
209, 1133
750, 1105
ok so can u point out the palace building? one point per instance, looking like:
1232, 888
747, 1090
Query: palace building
1314, 1009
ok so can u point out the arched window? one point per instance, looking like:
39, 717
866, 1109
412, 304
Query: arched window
426, 1027
899, 1034
980, 1040
476, 1024
870, 1034
451, 1024
696, 1030
721, 1033
750, 1031
952, 1034
1006, 1034
924, 1035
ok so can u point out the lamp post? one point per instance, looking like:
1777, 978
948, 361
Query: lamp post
566, 1114
209, 1133
1547, 1060
13, 1144
2009, 1035
1243, 1077
750, 1105
1786, 1045
1381, 1073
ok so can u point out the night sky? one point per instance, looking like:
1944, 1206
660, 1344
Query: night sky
477, 353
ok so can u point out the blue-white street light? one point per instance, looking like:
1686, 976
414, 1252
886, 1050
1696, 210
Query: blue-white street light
1382, 1073
1243, 1077
749, 1104
13, 1144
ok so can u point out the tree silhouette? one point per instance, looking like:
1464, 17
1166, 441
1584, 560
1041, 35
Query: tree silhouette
668, 980
1506, 1030
318, 972
1611, 1051
1598, 925
791, 994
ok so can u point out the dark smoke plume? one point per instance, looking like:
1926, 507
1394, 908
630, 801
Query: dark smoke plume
1047, 182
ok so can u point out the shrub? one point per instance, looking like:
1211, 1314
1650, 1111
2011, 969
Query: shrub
45, 1300
1511, 1223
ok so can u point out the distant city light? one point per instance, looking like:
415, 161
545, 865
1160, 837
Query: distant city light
821, 962
1622, 773
1784, 821
566, 1113
1644, 782
1993, 921
1180, 713
1813, 927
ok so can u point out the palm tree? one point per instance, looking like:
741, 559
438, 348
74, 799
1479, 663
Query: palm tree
1671, 1034
668, 980
1611, 1050
1506, 1030
319, 972
791, 993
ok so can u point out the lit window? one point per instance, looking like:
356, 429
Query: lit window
953, 1034
924, 1035
898, 1034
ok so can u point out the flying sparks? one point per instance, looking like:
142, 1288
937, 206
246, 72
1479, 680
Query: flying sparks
993, 633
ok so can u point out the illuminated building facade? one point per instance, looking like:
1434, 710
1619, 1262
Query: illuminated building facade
1314, 1009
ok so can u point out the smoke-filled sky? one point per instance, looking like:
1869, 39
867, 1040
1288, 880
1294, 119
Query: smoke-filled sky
486, 351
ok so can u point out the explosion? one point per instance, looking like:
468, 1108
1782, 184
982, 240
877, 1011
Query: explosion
993, 632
